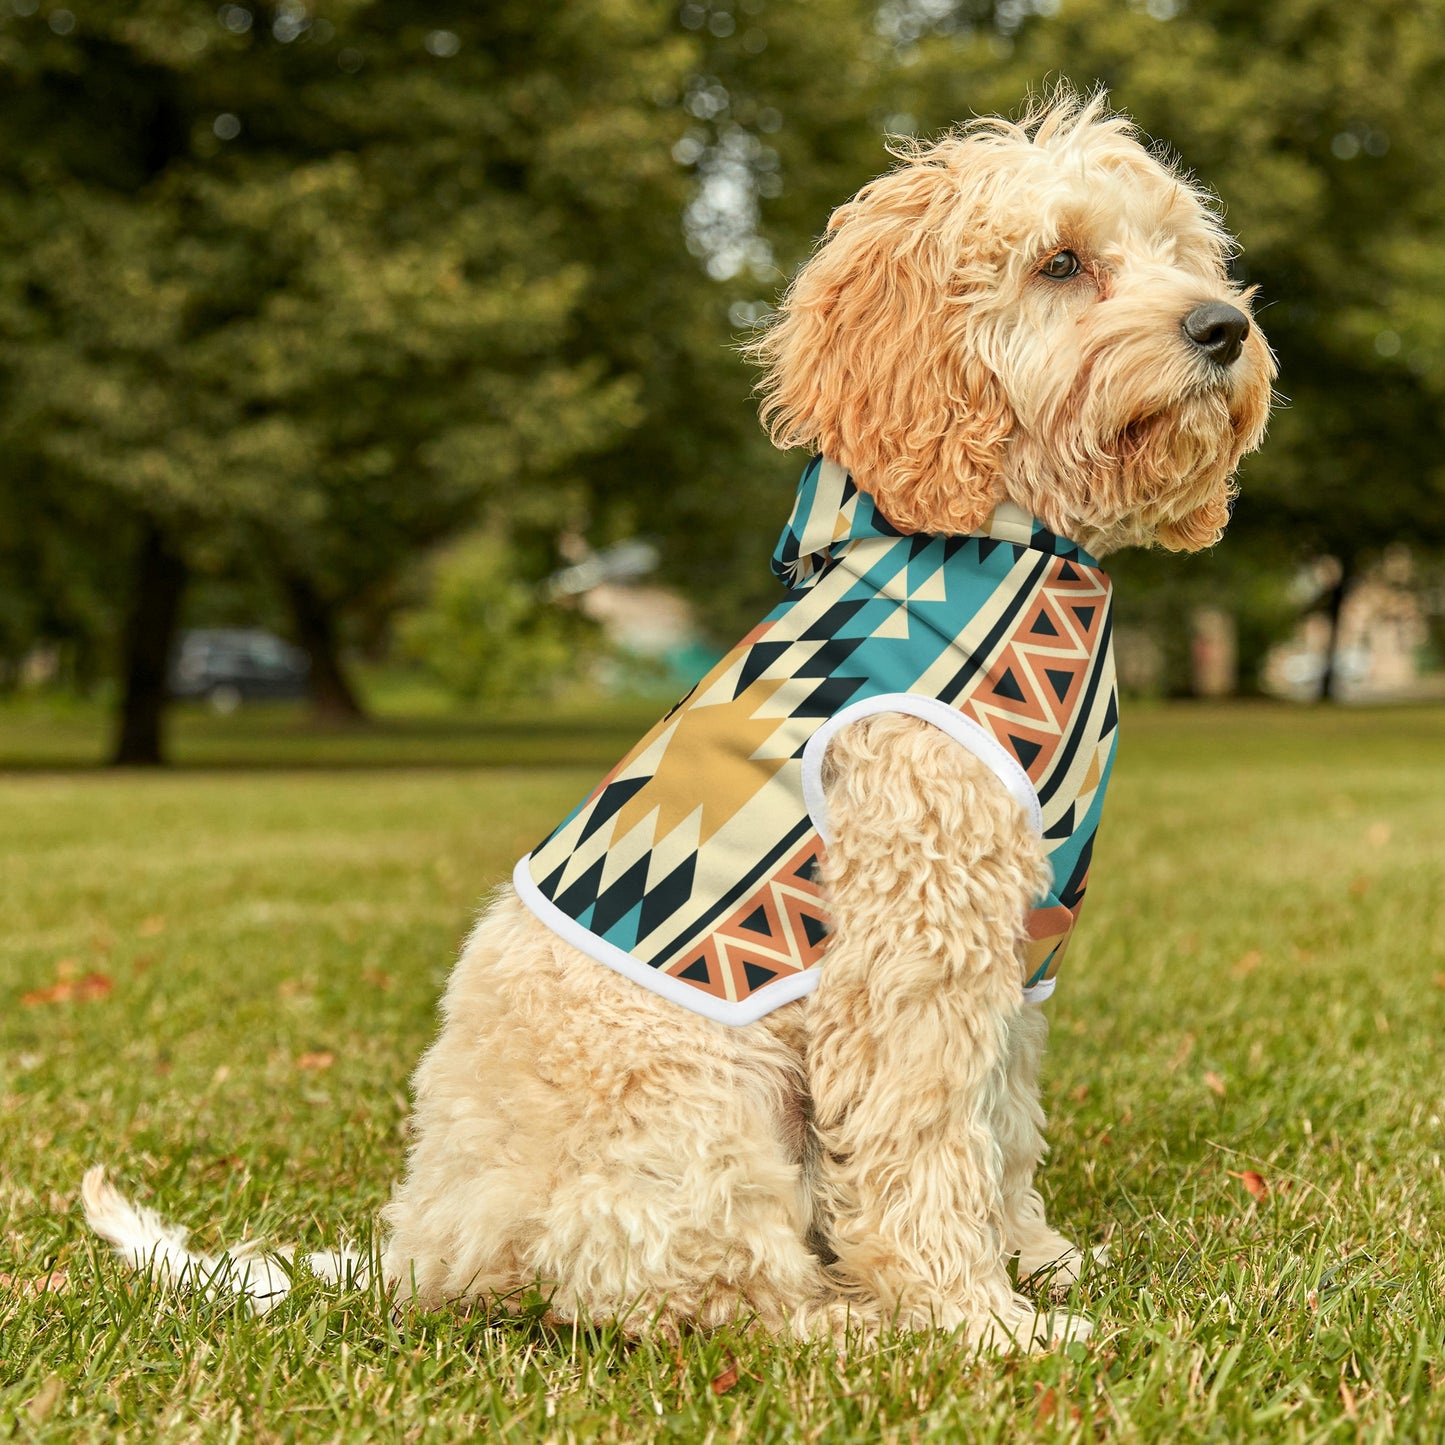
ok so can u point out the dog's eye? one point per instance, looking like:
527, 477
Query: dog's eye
1060, 266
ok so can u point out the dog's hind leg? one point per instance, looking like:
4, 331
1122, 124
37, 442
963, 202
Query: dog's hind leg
576, 1134
931, 869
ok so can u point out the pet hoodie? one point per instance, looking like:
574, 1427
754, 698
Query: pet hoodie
692, 866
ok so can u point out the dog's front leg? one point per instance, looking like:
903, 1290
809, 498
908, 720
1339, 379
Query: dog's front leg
931, 869
1042, 1251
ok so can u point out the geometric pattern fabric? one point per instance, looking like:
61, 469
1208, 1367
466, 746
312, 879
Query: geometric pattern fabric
691, 867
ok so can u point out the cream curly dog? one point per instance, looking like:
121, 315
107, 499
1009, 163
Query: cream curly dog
1024, 331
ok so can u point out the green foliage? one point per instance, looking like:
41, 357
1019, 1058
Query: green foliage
308, 287
488, 635
339, 326
317, 286
1256, 916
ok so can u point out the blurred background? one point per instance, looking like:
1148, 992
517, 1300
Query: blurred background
363, 361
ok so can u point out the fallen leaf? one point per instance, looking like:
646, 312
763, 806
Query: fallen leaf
1254, 1183
1359, 886
151, 927
1347, 1399
81, 990
1047, 1407
1248, 963
56, 993
320, 1059
56, 1282
1080, 1094
1181, 1054
45, 1399
1214, 1083
724, 1382
1440, 980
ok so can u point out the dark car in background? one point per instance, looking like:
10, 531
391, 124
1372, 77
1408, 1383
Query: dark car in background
227, 666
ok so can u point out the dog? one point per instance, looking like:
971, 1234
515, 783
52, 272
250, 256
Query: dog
1014, 353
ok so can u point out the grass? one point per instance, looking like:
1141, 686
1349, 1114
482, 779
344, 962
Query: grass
409, 729
216, 980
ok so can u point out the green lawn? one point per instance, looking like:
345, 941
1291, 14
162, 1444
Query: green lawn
216, 980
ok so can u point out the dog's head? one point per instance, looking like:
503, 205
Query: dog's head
1036, 311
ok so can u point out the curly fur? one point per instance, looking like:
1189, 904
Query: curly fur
866, 1156
921, 348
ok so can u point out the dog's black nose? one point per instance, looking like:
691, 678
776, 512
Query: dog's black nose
1218, 331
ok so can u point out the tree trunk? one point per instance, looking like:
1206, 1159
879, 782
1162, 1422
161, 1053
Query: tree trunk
1329, 679
333, 699
150, 629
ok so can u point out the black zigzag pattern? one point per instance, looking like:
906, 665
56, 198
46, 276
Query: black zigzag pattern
1072, 893
671, 894
615, 901
610, 802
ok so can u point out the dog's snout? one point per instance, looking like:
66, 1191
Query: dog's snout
1218, 330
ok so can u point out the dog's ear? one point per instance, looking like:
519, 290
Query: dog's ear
874, 360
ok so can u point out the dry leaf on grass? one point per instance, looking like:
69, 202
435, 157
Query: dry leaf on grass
1440, 980
1214, 1083
67, 990
377, 978
727, 1379
45, 1399
1181, 1054
1254, 1183
56, 1282
1046, 1407
320, 1059
1248, 963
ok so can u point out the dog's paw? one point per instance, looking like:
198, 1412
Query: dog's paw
1056, 1269
1023, 1326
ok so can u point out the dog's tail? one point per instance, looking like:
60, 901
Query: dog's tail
146, 1242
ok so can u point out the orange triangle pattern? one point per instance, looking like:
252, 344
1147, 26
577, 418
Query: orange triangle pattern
781, 929
1034, 682
1050, 930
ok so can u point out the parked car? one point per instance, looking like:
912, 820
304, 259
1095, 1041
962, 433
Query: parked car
230, 665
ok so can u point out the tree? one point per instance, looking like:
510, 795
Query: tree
307, 286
